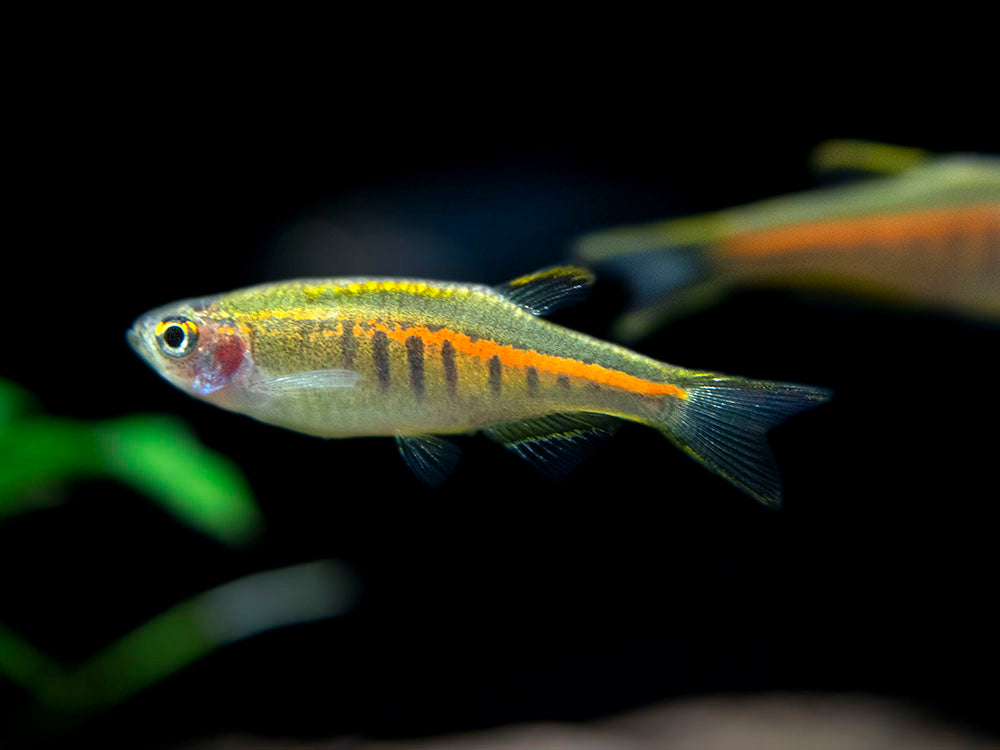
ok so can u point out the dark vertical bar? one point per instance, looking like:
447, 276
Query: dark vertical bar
991, 245
450, 370
563, 381
496, 374
531, 375
380, 354
415, 356
349, 344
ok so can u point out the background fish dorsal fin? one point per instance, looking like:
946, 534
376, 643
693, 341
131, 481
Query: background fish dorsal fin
543, 291
843, 158
557, 443
431, 458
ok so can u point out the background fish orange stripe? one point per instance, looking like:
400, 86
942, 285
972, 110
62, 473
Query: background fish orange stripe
886, 229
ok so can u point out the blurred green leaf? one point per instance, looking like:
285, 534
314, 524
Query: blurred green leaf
14, 401
143, 657
24, 665
40, 452
174, 639
159, 456
156, 455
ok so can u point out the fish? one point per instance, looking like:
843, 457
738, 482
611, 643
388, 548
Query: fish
422, 361
919, 231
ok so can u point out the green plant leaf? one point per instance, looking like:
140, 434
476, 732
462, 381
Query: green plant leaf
160, 457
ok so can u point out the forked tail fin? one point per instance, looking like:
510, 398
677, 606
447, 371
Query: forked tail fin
723, 422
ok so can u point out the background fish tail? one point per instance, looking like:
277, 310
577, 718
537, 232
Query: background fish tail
723, 423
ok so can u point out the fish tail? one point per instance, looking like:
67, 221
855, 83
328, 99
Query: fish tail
723, 423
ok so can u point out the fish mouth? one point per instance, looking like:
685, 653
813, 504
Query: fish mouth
138, 344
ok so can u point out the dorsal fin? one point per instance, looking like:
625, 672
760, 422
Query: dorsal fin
543, 291
864, 158
557, 443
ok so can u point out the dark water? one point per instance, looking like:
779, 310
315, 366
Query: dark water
501, 596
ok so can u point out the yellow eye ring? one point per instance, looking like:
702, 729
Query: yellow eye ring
176, 336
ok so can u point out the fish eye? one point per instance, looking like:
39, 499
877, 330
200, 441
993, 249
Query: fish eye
176, 336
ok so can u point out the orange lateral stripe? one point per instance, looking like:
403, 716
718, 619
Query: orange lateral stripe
935, 224
484, 349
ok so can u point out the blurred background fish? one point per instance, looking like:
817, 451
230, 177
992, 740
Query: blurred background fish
911, 227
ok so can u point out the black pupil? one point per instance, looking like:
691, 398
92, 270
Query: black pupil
173, 336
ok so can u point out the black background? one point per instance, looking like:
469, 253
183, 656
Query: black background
501, 596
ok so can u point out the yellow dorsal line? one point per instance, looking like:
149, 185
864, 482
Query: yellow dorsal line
314, 292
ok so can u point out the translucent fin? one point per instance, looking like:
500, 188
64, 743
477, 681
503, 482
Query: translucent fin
549, 289
724, 422
555, 444
633, 325
310, 379
656, 272
664, 269
660, 283
431, 458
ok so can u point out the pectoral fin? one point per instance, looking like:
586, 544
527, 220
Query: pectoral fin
307, 380
431, 458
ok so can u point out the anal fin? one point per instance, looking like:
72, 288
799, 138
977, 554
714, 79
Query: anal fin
556, 443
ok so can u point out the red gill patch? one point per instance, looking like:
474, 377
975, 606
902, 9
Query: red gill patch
229, 355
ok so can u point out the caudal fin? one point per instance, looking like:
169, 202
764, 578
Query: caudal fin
723, 422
